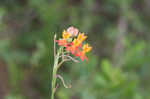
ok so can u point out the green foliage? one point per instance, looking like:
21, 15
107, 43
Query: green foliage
114, 27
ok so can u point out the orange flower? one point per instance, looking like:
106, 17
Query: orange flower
74, 45
81, 37
76, 42
86, 48
65, 35
71, 49
62, 42
81, 55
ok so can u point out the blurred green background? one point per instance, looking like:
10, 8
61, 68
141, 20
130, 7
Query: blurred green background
118, 66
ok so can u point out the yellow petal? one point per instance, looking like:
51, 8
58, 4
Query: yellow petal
81, 37
86, 48
76, 42
65, 35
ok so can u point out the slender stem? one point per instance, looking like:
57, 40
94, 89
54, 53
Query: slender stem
62, 80
55, 68
60, 63
54, 45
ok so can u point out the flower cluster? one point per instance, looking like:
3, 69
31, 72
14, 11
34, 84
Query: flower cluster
72, 41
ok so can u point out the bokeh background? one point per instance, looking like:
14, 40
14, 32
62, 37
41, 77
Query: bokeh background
118, 66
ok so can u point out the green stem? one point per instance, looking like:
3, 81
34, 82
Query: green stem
55, 68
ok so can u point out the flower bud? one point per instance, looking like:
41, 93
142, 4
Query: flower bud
73, 31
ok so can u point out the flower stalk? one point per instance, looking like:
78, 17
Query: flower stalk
55, 68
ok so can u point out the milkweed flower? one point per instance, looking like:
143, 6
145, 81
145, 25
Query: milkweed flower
72, 46
72, 40
66, 34
62, 42
81, 37
86, 48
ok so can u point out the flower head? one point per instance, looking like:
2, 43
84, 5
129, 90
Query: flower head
73, 44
